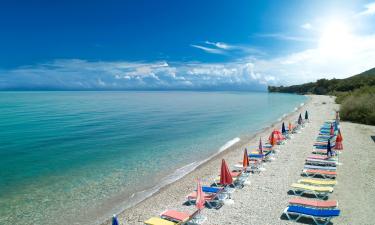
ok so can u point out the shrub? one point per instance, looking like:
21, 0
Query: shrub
359, 106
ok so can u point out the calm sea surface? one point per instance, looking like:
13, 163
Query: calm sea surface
77, 157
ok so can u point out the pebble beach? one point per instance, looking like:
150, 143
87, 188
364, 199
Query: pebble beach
263, 200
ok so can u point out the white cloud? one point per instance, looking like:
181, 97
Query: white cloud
285, 37
209, 50
370, 10
307, 26
77, 74
219, 45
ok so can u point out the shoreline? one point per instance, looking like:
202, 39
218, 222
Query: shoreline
244, 141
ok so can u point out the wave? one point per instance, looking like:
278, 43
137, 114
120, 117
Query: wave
179, 173
229, 143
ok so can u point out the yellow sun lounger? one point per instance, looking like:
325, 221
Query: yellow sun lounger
158, 221
318, 191
318, 182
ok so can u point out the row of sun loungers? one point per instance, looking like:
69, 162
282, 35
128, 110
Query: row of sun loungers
317, 165
216, 194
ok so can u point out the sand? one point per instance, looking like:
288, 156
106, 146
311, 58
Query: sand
265, 198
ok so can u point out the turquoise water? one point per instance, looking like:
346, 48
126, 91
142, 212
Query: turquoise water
77, 157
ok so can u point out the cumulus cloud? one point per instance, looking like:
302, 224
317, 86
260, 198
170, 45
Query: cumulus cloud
85, 75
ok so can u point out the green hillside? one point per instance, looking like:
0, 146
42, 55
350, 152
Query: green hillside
356, 94
324, 86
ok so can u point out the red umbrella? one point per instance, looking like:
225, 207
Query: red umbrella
279, 135
225, 175
275, 137
332, 131
339, 139
245, 162
200, 196
272, 139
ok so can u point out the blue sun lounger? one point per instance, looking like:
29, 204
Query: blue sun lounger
319, 216
211, 189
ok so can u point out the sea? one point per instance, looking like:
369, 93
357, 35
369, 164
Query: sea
78, 157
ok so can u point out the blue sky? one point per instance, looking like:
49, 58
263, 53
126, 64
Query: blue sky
182, 44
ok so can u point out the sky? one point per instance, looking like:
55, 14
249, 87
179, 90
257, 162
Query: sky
188, 45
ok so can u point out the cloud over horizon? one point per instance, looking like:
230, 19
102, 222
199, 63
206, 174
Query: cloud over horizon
246, 73
78, 74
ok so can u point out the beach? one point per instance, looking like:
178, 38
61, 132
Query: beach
265, 198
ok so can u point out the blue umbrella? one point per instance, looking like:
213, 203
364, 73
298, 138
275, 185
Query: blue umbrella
283, 131
329, 150
306, 115
115, 220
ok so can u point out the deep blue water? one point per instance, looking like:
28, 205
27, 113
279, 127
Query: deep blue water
69, 157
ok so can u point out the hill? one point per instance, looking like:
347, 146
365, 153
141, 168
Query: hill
356, 94
324, 86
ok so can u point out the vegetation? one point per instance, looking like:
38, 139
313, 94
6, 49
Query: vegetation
356, 95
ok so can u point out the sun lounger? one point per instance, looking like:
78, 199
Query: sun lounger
237, 182
317, 191
319, 216
212, 200
329, 204
322, 157
323, 151
175, 216
318, 182
182, 217
158, 221
211, 189
327, 168
254, 166
321, 162
319, 173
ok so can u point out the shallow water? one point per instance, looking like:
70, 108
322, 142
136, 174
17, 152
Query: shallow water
75, 157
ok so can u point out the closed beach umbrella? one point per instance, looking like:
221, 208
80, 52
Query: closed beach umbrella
200, 197
115, 220
338, 145
245, 161
225, 176
332, 131
300, 119
283, 131
260, 147
306, 115
329, 150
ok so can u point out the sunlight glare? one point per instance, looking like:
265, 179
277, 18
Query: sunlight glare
335, 39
